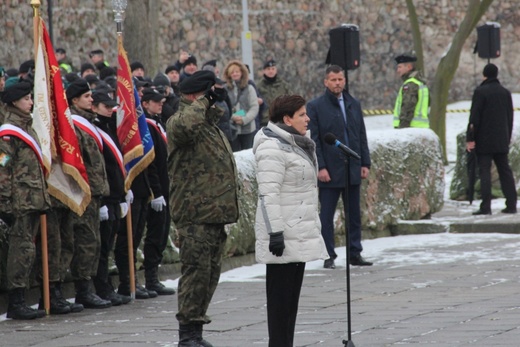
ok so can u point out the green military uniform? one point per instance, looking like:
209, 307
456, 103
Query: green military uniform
270, 89
411, 107
23, 197
203, 198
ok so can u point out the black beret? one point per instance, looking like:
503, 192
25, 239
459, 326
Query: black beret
200, 81
77, 88
490, 71
151, 94
171, 68
96, 52
26, 66
269, 63
405, 58
212, 62
191, 60
61, 50
86, 67
16, 91
136, 65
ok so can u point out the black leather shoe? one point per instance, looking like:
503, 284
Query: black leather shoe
481, 212
358, 260
509, 210
329, 264
160, 288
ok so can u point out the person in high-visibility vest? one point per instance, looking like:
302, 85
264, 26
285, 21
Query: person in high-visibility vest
63, 61
411, 106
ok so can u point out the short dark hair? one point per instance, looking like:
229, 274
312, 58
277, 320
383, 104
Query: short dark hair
333, 69
285, 105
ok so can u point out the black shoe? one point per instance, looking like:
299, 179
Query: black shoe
124, 299
140, 293
329, 264
56, 307
151, 293
358, 260
91, 300
113, 297
481, 212
160, 288
509, 210
23, 312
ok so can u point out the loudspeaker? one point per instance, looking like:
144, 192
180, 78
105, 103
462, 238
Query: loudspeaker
488, 40
344, 46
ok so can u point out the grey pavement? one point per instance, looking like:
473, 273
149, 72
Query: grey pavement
461, 302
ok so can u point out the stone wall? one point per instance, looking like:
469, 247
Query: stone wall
294, 32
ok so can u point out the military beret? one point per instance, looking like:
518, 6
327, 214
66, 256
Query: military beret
136, 65
26, 66
96, 52
11, 80
212, 62
191, 60
2, 71
152, 94
16, 91
171, 68
269, 63
405, 58
61, 50
200, 81
77, 88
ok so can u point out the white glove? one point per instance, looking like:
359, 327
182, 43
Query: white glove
129, 196
124, 209
158, 203
103, 213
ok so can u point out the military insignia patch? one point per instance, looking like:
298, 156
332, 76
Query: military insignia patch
4, 159
405, 88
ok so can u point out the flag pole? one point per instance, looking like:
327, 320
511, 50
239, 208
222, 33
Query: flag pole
119, 7
43, 218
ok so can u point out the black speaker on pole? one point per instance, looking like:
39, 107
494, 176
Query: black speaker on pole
488, 40
344, 46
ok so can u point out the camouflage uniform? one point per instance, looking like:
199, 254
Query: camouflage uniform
80, 240
22, 198
203, 198
270, 90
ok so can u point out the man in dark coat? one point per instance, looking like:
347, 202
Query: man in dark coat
337, 112
489, 133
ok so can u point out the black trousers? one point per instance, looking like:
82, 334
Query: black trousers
108, 230
156, 239
507, 181
284, 283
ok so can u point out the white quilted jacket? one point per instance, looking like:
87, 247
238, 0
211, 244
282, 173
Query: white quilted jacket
287, 199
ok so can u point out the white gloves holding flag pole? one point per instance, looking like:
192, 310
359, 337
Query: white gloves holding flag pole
129, 197
124, 209
103, 213
158, 204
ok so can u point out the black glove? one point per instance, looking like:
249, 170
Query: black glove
221, 93
211, 96
276, 244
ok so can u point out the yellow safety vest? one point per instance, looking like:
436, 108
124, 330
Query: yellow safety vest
420, 115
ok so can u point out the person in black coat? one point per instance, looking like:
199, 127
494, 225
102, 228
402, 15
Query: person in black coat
337, 112
489, 134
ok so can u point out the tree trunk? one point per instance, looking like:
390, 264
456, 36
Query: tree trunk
448, 66
141, 34
416, 34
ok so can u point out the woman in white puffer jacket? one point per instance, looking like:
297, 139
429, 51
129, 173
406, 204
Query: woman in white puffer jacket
288, 228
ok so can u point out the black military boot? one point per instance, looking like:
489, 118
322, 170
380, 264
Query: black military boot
74, 307
17, 308
88, 299
57, 306
124, 289
200, 339
188, 336
152, 282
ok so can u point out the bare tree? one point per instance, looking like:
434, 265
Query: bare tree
141, 34
448, 64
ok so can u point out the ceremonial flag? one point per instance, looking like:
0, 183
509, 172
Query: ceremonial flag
67, 180
132, 129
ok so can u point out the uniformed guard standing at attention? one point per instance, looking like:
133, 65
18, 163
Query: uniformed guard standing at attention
203, 198
411, 106
23, 197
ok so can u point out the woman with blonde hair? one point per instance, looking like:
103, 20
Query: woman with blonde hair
245, 104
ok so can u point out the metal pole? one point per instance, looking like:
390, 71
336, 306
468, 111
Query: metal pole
247, 43
49, 14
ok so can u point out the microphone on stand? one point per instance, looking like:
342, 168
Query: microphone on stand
331, 139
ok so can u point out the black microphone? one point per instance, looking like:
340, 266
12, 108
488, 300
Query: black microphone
331, 139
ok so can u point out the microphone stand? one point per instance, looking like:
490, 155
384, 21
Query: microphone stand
348, 342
